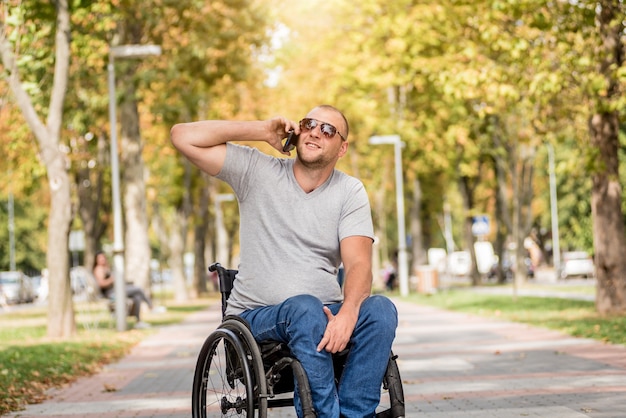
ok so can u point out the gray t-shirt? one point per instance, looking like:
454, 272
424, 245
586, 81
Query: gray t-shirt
290, 239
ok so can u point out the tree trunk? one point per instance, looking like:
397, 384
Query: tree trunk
420, 256
608, 221
209, 254
61, 323
176, 246
90, 187
89, 196
60, 309
606, 194
158, 226
517, 233
467, 192
199, 284
222, 237
503, 221
522, 201
137, 245
503, 213
232, 229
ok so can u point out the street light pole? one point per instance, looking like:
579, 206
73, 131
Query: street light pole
122, 51
403, 259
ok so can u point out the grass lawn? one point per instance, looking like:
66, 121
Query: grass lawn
574, 317
564, 288
31, 363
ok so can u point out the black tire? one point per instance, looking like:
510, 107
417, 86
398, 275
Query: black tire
223, 382
255, 361
306, 397
392, 391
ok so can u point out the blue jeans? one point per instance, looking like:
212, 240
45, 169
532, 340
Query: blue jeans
300, 323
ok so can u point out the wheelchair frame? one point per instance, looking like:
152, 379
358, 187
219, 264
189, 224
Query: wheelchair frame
235, 375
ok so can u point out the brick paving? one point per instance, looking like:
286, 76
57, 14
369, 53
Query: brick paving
452, 365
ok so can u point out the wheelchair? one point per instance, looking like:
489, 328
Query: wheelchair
236, 376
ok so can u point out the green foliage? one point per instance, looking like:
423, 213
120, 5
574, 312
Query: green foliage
574, 203
29, 233
30, 28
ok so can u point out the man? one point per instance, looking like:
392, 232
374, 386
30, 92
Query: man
301, 218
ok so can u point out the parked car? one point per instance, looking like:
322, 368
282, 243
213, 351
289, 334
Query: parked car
460, 263
16, 287
577, 264
40, 283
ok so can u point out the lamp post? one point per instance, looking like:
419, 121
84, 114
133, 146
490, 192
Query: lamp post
403, 259
121, 51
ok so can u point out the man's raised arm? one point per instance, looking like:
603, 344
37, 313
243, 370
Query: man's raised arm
203, 142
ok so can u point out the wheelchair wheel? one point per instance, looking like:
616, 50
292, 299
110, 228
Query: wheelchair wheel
223, 380
392, 391
240, 327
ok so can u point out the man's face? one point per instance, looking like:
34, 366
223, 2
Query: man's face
316, 149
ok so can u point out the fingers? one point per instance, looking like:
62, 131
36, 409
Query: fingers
329, 314
323, 343
281, 125
332, 341
279, 128
331, 346
326, 338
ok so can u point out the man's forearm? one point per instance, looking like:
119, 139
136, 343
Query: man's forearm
357, 287
209, 133
203, 143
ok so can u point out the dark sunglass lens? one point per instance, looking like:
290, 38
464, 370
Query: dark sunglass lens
307, 124
328, 130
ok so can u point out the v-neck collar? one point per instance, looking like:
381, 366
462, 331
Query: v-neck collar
299, 189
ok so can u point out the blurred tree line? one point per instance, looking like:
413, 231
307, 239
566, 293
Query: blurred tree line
476, 90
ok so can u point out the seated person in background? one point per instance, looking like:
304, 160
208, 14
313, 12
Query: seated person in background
300, 218
106, 282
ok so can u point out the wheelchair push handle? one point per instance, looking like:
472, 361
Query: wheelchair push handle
226, 278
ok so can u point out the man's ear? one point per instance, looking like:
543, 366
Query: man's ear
343, 149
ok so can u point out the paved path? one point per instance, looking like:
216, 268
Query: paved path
452, 365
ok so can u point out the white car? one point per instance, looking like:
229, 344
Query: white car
577, 264
16, 287
460, 263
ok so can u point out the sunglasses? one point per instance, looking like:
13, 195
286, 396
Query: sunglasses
328, 130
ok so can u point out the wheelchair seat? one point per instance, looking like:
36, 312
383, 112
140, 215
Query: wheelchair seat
236, 375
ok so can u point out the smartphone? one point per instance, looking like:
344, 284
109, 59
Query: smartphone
291, 141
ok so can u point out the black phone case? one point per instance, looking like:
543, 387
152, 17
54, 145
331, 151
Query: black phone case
290, 143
